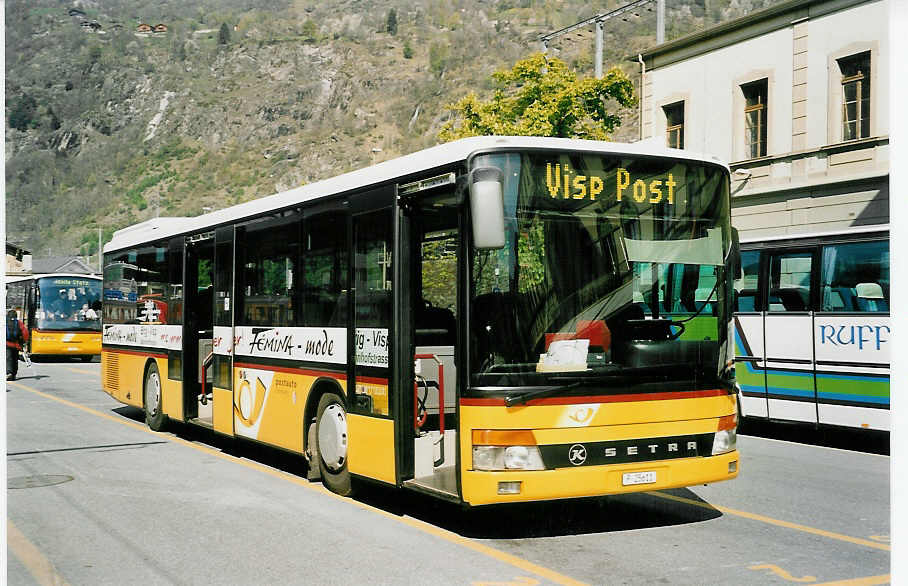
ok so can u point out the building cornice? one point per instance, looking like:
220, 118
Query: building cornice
809, 185
839, 147
742, 29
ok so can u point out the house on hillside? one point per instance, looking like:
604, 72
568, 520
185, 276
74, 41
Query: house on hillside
160, 29
76, 13
18, 260
61, 264
796, 98
143, 30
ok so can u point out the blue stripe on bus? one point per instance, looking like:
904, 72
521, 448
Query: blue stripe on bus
854, 398
791, 392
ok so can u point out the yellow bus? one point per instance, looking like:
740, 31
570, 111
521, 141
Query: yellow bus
62, 312
492, 320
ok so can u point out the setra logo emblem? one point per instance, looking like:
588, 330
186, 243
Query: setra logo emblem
577, 454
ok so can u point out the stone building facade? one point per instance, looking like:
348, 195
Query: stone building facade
796, 99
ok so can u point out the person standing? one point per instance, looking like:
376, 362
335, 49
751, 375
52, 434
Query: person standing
16, 336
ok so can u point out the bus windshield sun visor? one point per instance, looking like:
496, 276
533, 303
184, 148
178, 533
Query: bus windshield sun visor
698, 251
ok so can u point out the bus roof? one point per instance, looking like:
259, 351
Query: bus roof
401, 167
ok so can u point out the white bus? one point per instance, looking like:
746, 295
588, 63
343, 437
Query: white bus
812, 331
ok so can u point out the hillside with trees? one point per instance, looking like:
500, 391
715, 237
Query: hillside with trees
120, 110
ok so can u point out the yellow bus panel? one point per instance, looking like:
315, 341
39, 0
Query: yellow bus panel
65, 343
268, 406
222, 410
171, 392
370, 447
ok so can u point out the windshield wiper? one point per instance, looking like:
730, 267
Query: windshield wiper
539, 394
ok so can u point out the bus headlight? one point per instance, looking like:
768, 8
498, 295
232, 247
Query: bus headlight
725, 441
507, 458
726, 437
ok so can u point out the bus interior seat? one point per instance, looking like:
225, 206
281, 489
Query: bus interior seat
869, 297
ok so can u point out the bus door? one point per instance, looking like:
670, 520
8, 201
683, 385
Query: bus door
789, 348
434, 240
372, 397
198, 326
220, 372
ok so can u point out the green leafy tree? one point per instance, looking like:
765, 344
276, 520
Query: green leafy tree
542, 97
224, 34
408, 50
392, 22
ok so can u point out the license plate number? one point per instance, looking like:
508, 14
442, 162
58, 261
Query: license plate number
631, 478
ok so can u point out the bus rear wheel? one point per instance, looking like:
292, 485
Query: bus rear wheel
331, 444
154, 415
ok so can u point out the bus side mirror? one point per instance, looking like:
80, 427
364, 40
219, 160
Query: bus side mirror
487, 207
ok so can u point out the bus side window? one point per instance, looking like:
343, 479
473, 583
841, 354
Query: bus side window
790, 281
857, 275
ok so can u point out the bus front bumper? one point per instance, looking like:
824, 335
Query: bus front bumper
483, 488
65, 343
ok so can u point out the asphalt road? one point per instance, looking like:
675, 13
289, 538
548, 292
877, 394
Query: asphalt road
94, 497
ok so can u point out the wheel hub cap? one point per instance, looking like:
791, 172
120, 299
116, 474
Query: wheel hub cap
332, 436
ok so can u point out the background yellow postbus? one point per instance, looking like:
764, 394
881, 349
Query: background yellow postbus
493, 320
62, 312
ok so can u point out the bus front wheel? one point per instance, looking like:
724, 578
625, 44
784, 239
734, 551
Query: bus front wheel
331, 444
154, 415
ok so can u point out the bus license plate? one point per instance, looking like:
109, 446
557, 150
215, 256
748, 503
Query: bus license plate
631, 478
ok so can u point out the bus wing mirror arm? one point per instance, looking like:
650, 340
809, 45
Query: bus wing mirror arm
487, 207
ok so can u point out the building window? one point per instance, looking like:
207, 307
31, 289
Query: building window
674, 125
755, 116
855, 96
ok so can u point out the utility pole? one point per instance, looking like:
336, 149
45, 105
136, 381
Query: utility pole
660, 22
100, 253
598, 49
599, 20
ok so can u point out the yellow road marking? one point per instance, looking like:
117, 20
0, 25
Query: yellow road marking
501, 556
771, 521
31, 557
782, 573
868, 581
881, 538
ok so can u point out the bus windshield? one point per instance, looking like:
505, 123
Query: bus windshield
612, 274
69, 303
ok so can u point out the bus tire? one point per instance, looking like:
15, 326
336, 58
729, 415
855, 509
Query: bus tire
331, 444
151, 393
314, 472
